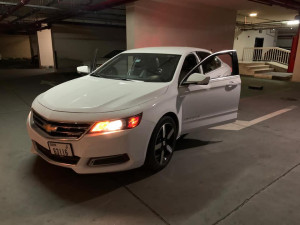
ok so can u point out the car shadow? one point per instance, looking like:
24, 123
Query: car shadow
185, 174
77, 188
187, 143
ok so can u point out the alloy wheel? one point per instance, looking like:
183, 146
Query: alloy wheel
164, 143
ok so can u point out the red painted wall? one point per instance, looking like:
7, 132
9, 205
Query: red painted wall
179, 23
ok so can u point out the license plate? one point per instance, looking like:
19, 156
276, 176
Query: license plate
60, 149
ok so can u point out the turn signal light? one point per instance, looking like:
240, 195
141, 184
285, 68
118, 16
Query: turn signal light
133, 121
116, 125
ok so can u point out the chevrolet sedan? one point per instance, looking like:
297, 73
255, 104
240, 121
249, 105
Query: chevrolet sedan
131, 110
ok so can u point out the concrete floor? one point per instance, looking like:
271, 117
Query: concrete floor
251, 176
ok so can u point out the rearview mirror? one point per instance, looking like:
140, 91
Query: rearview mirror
197, 78
83, 69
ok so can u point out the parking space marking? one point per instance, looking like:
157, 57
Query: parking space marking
241, 124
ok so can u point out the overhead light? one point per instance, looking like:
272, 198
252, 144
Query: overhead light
293, 22
253, 14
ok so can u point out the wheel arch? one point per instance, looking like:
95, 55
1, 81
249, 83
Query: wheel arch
175, 118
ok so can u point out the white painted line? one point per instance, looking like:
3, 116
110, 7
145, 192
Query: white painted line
240, 124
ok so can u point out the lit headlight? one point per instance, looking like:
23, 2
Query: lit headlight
116, 125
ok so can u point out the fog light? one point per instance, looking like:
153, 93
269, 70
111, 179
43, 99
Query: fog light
108, 160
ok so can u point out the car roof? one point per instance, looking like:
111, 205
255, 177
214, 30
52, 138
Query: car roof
167, 50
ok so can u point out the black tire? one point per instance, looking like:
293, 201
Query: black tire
162, 144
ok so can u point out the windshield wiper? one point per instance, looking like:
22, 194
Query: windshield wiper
119, 78
113, 78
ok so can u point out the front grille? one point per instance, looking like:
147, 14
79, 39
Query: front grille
57, 129
73, 160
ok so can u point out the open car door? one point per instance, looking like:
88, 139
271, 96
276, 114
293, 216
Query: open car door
208, 100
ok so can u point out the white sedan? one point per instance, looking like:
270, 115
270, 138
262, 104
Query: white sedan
130, 111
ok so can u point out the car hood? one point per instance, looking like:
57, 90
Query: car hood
93, 94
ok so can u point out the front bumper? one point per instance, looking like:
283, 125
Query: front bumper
132, 143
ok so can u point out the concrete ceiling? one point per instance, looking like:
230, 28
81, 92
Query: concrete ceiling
39, 10
37, 14
228, 4
265, 12
269, 17
244, 7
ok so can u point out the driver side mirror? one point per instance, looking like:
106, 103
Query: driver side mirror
197, 78
83, 69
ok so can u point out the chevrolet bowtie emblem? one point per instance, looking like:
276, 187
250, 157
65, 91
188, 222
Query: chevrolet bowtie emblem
49, 128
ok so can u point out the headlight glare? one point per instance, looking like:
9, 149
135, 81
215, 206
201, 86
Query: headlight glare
116, 125
106, 126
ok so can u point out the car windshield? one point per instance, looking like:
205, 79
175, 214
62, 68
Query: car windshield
146, 67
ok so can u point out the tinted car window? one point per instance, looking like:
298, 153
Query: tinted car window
189, 63
211, 64
202, 55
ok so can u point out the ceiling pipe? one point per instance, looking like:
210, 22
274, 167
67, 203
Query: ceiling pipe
13, 9
107, 4
95, 7
55, 19
31, 6
36, 10
290, 4
270, 25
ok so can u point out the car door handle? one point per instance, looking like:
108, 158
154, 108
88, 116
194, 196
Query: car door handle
231, 83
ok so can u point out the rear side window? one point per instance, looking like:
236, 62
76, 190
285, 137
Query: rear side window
202, 55
211, 64
189, 63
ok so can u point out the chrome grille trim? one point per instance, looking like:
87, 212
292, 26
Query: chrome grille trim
60, 129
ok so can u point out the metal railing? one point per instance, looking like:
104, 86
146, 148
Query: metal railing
267, 54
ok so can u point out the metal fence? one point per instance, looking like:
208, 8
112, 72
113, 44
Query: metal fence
267, 54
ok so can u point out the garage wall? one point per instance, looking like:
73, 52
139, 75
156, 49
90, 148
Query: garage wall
285, 39
285, 43
296, 74
15, 46
75, 44
247, 39
179, 23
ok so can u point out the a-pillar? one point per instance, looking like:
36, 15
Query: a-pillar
45, 45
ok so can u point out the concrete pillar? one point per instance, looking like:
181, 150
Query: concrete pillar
45, 45
179, 23
296, 74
